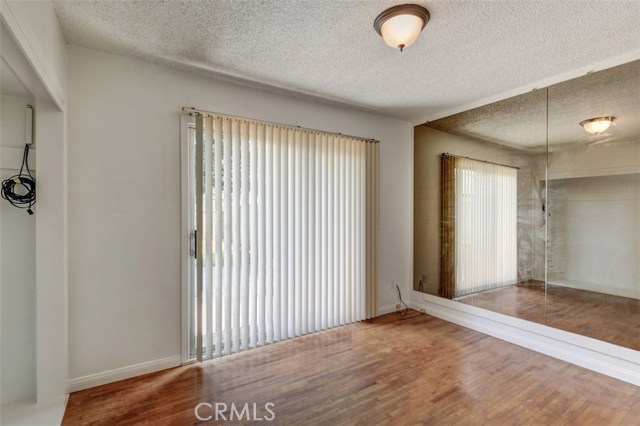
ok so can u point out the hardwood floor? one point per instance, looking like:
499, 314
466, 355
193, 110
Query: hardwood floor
416, 371
525, 301
604, 317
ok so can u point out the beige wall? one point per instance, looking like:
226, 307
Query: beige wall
124, 201
429, 144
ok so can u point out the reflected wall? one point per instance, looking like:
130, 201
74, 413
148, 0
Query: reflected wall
593, 199
578, 203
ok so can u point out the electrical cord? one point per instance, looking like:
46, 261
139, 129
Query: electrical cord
24, 183
406, 310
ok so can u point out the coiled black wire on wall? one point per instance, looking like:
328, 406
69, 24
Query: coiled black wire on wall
20, 189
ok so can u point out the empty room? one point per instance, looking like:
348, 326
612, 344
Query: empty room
319, 212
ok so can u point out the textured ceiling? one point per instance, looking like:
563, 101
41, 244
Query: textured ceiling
470, 50
520, 121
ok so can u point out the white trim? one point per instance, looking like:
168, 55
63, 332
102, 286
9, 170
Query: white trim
611, 360
31, 414
629, 293
185, 229
540, 84
63, 409
386, 309
27, 41
595, 172
111, 376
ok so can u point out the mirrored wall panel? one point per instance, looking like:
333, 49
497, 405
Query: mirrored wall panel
479, 224
530, 206
593, 203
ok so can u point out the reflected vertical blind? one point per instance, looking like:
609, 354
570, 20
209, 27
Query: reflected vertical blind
287, 222
479, 232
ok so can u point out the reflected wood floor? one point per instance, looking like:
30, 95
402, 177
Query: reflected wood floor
612, 319
416, 371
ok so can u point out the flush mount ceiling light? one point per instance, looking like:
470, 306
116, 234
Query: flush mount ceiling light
401, 25
597, 125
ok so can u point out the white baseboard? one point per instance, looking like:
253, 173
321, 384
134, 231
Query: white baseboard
26, 413
614, 361
387, 309
110, 376
629, 293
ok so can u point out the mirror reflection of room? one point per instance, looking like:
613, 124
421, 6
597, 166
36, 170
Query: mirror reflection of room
530, 206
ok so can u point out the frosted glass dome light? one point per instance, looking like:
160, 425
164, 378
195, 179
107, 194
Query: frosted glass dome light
401, 25
596, 125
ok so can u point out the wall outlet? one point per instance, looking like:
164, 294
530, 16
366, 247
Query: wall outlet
392, 286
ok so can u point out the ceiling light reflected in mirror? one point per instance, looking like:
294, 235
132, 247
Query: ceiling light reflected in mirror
598, 101
596, 125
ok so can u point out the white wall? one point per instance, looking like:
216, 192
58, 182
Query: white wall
124, 198
17, 265
33, 46
12, 133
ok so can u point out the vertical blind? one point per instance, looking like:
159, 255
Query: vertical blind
287, 223
479, 240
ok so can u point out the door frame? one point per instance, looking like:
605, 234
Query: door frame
187, 225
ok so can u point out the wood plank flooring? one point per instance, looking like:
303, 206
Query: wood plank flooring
612, 319
416, 371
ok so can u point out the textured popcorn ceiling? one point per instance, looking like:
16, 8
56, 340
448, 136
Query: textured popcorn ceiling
520, 121
328, 49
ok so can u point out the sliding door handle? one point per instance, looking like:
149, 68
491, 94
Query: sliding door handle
193, 239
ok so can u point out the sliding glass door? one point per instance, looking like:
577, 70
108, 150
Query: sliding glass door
284, 232
480, 218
